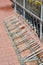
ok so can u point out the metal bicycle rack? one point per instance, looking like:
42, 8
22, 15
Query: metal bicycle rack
20, 6
14, 32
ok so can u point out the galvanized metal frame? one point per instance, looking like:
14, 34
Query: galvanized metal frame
29, 12
22, 60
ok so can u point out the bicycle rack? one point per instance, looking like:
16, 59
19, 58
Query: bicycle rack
17, 32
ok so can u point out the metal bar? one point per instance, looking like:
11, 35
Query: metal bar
24, 7
28, 12
41, 30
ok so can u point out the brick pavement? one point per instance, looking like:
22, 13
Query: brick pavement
7, 52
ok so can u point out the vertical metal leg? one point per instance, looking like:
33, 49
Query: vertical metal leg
23, 9
15, 5
40, 22
40, 30
24, 13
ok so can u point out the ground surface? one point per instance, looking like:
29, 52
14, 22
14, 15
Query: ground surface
7, 53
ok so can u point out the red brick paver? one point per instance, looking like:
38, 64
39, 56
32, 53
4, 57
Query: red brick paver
7, 53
